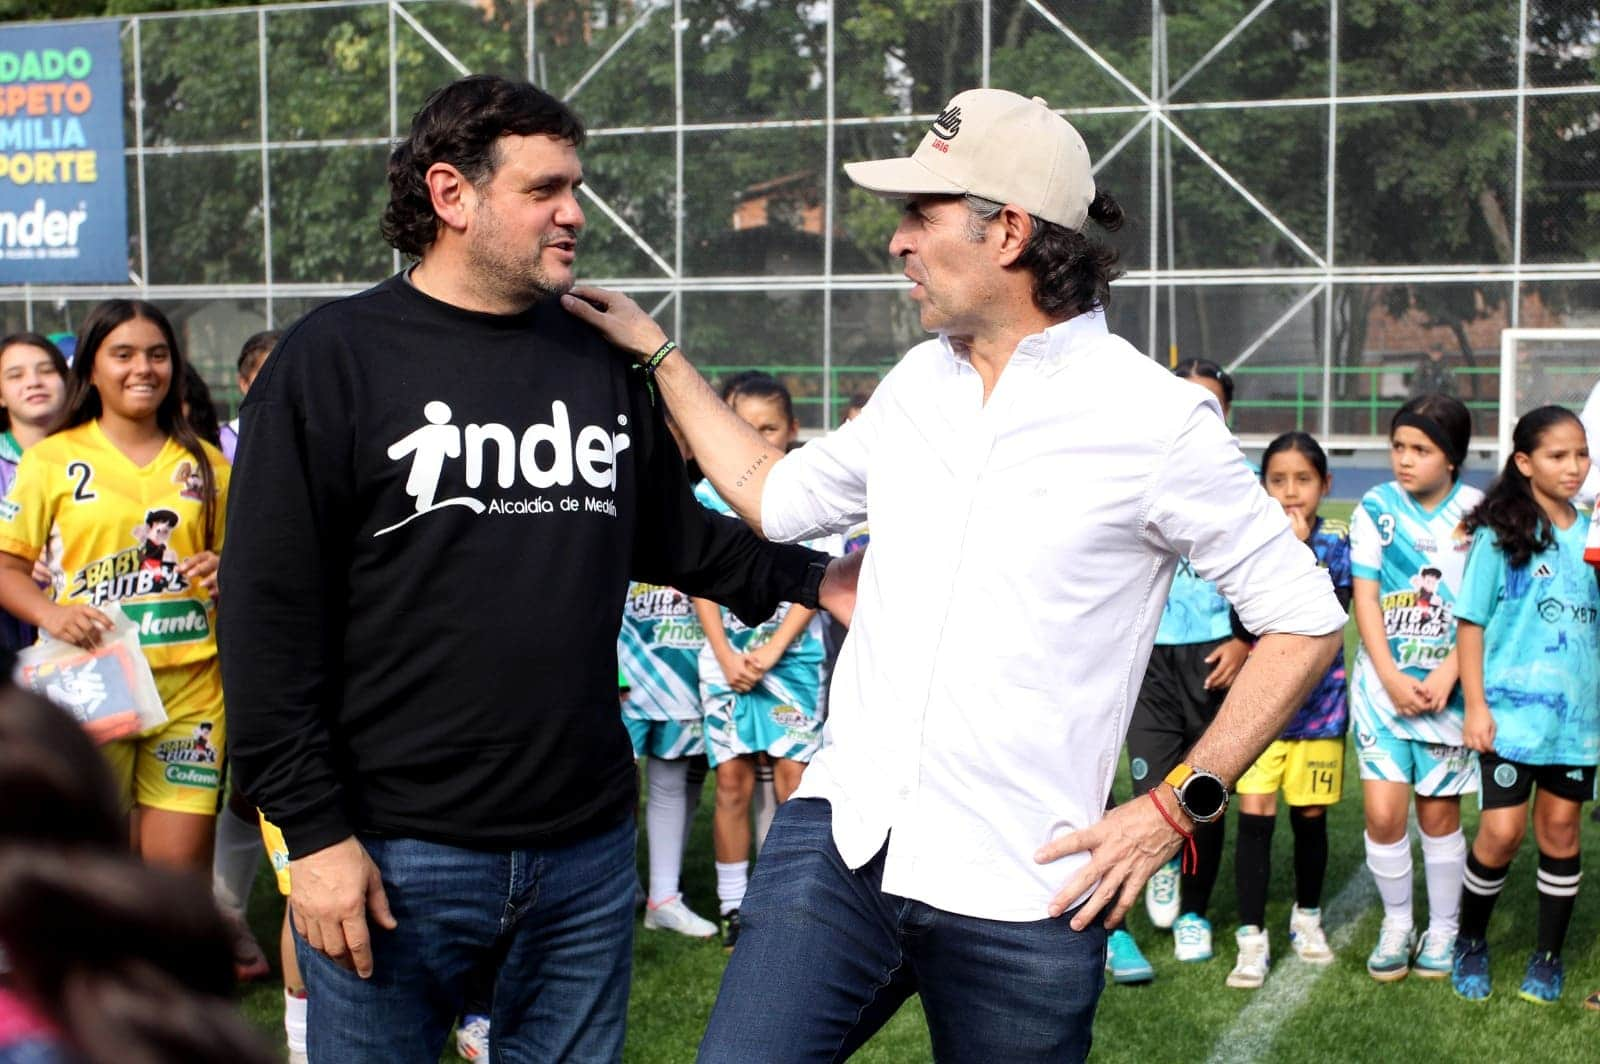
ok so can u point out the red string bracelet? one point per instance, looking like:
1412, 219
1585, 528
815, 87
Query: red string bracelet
1191, 856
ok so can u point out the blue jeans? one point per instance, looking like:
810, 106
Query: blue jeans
554, 926
825, 957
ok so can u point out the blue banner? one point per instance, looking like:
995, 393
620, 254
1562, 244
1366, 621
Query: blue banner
63, 196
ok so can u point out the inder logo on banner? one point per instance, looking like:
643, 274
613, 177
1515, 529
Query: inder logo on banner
63, 200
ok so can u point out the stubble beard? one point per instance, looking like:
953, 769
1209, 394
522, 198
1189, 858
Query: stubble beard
508, 276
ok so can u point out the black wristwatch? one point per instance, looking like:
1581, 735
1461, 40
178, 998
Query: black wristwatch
811, 586
1201, 795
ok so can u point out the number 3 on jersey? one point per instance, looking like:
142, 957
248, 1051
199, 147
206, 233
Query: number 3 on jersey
1385, 529
83, 473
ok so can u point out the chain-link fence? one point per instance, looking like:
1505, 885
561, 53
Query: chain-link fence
1348, 201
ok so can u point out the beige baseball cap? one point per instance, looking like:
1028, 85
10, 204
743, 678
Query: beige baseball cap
997, 145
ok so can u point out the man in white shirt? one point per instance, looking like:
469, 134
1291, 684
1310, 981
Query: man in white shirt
1031, 482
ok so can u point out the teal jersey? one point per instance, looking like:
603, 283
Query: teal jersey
659, 652
1417, 557
807, 644
1541, 647
1195, 611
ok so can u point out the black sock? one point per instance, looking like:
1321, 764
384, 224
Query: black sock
1194, 896
1310, 857
1558, 893
1479, 889
1252, 866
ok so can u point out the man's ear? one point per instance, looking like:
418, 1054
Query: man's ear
1016, 229
452, 194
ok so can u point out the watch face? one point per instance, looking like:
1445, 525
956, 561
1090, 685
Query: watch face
1204, 796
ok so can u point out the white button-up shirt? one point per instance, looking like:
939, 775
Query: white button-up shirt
1021, 553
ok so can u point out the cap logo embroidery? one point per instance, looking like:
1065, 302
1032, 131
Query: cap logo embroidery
948, 124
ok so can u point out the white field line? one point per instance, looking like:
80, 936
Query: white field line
1250, 1036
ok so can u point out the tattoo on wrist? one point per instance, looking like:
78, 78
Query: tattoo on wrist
744, 478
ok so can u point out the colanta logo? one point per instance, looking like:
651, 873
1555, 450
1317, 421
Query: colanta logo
948, 124
547, 455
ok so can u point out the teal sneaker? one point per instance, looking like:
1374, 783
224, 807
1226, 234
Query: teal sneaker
1191, 938
1161, 895
1435, 955
1469, 969
1124, 963
1543, 982
1390, 959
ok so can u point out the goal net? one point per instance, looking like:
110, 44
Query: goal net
1544, 366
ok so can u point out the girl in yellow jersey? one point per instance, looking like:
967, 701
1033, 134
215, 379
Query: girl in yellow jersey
138, 500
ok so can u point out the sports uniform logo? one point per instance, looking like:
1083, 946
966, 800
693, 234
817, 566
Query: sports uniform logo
948, 124
548, 454
151, 568
1139, 768
1505, 775
1419, 621
1544, 572
190, 762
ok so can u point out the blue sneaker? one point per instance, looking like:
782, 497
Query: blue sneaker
1191, 938
1469, 969
1124, 963
1542, 984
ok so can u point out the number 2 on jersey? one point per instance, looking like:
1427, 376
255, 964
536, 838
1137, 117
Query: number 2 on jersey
84, 473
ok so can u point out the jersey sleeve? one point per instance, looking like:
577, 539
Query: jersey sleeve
1339, 563
1366, 545
1483, 580
26, 512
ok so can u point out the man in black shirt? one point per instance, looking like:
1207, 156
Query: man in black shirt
446, 483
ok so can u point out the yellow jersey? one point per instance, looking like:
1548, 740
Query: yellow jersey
124, 529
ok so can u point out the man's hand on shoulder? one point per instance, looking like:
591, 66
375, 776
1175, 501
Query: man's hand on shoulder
617, 318
330, 892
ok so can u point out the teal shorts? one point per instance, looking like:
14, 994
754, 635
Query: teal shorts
779, 717
668, 740
1431, 769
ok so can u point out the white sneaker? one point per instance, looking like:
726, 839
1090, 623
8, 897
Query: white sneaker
1255, 955
1191, 938
472, 1038
1307, 937
1161, 895
674, 915
297, 1056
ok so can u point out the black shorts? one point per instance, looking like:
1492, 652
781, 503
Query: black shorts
1172, 710
1504, 784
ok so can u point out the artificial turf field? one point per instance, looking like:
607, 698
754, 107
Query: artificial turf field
1302, 1014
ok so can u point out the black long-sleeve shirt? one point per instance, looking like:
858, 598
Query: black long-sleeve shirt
433, 518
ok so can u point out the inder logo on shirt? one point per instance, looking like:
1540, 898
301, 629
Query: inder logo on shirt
546, 455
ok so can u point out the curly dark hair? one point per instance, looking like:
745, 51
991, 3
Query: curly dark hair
461, 124
1072, 273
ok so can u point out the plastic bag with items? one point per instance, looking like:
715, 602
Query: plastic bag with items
110, 690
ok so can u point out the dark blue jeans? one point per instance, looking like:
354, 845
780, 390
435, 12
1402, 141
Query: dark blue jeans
554, 925
825, 957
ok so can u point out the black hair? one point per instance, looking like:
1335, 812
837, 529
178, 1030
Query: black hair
1301, 442
161, 517
1191, 368
256, 349
131, 962
1429, 570
1072, 273
43, 343
83, 399
201, 410
461, 124
1520, 525
754, 384
1453, 419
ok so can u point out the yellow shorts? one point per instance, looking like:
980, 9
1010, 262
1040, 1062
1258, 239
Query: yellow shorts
1309, 771
277, 853
176, 766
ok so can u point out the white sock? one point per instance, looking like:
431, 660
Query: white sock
237, 856
1391, 867
763, 803
664, 825
732, 878
1444, 865
294, 1021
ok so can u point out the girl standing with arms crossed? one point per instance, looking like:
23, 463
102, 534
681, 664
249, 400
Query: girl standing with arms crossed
1407, 553
1529, 639
139, 501
1307, 760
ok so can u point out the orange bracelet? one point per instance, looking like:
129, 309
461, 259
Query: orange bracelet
1191, 856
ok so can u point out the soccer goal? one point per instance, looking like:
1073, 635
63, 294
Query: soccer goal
1542, 366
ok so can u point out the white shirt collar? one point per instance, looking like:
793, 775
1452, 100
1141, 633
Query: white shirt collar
1050, 349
